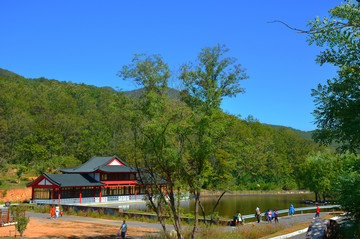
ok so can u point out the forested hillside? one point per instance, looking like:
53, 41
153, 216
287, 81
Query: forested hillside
46, 124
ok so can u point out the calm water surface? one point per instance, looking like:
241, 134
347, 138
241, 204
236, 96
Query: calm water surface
247, 204
229, 205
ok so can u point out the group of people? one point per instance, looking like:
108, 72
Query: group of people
238, 219
55, 212
269, 215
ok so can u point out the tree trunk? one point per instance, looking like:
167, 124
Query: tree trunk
173, 208
196, 213
217, 203
203, 211
316, 196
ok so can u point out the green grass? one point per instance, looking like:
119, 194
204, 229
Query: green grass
249, 231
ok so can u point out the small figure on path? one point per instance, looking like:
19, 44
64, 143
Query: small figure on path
57, 211
276, 216
240, 219
317, 214
123, 229
291, 210
61, 213
52, 212
269, 215
258, 214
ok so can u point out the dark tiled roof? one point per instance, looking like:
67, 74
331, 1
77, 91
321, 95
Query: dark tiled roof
100, 163
148, 179
73, 180
118, 169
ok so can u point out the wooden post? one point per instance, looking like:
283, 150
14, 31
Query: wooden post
135, 193
80, 194
59, 195
100, 194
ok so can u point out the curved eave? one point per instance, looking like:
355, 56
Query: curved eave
44, 175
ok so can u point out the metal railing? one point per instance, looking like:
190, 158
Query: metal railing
91, 200
299, 209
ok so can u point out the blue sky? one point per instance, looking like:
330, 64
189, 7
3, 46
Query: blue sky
89, 41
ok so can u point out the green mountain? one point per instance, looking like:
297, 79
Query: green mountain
304, 134
47, 124
6, 73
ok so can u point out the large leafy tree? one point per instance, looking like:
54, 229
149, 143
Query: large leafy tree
338, 101
347, 185
320, 170
206, 82
156, 120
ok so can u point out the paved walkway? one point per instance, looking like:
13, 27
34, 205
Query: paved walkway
286, 221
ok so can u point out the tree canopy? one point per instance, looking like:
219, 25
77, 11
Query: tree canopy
338, 101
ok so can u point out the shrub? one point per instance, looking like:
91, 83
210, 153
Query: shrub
18, 213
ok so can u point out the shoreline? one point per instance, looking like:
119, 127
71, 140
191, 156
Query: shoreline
207, 193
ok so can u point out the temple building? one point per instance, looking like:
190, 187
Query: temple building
99, 180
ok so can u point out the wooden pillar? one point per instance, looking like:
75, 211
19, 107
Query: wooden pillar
80, 194
59, 195
74, 192
32, 193
100, 194
135, 193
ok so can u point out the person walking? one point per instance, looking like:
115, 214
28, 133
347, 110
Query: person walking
269, 215
57, 212
52, 212
317, 214
123, 229
291, 210
239, 219
257, 214
276, 216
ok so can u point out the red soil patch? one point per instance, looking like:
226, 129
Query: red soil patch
16, 195
56, 228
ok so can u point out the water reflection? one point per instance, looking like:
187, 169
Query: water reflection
229, 205
247, 204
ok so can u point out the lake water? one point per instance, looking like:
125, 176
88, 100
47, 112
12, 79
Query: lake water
229, 205
246, 204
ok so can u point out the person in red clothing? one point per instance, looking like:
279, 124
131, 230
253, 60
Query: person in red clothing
52, 212
317, 214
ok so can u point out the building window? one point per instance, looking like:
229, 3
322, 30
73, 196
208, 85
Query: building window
42, 193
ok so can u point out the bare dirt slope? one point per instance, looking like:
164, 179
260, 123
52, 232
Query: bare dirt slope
16, 195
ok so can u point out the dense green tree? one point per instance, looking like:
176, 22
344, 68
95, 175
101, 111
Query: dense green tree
206, 82
338, 101
320, 170
155, 120
346, 189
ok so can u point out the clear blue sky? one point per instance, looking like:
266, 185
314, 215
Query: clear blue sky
89, 41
